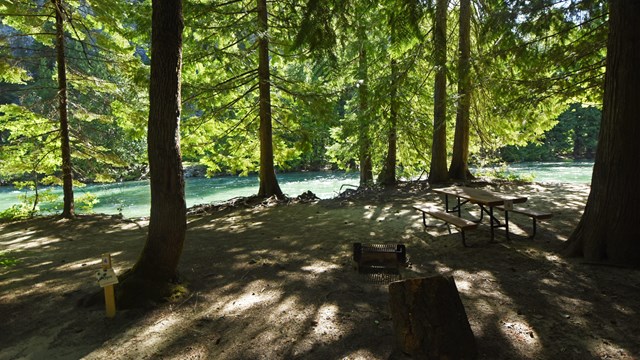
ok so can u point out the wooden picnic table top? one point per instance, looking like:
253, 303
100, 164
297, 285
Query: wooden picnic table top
480, 196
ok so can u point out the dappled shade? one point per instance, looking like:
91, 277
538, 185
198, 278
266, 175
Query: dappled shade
279, 282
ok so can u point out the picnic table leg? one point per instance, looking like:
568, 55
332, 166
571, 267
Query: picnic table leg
459, 205
482, 211
506, 222
464, 242
534, 229
424, 222
491, 221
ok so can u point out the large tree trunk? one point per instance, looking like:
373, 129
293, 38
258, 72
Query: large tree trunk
364, 143
459, 168
268, 181
608, 229
156, 269
387, 176
68, 210
438, 170
429, 320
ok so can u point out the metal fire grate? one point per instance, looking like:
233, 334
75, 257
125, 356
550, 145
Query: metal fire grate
379, 258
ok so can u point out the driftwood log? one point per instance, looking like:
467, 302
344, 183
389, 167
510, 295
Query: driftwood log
429, 320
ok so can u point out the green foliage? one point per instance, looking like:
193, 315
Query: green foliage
16, 212
31, 146
575, 136
13, 75
30, 201
528, 60
503, 173
220, 117
34, 200
7, 260
86, 202
104, 91
532, 57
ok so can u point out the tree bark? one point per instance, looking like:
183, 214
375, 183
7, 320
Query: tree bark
459, 168
68, 210
268, 182
364, 142
608, 229
36, 198
429, 319
158, 262
387, 176
438, 170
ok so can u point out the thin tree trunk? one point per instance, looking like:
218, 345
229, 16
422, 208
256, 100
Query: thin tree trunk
268, 182
364, 152
608, 229
438, 170
167, 225
36, 198
459, 162
67, 174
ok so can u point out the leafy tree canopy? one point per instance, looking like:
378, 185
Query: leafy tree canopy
529, 61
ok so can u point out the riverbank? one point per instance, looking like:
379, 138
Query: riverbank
277, 282
131, 199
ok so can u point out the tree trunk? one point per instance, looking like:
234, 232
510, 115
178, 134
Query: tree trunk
68, 210
157, 266
268, 181
429, 319
608, 229
387, 176
364, 151
459, 168
438, 170
578, 141
36, 198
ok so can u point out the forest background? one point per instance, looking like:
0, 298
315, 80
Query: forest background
343, 75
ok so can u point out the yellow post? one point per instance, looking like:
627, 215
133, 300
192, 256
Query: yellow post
109, 295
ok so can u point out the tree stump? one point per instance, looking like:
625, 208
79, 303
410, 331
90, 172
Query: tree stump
429, 320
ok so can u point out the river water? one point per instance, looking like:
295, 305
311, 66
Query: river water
132, 198
577, 172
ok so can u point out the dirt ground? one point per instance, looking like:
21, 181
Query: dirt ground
278, 282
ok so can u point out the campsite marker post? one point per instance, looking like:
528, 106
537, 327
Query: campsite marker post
107, 278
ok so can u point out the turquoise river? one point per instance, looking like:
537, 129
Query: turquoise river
132, 198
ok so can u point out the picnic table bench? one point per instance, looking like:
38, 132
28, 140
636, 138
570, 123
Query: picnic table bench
462, 224
532, 213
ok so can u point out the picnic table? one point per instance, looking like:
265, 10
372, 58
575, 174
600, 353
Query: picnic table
485, 199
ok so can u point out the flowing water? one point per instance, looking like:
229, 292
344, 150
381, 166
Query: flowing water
132, 198
576, 172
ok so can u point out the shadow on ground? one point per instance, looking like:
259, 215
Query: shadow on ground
278, 283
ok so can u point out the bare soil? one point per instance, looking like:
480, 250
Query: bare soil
278, 282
